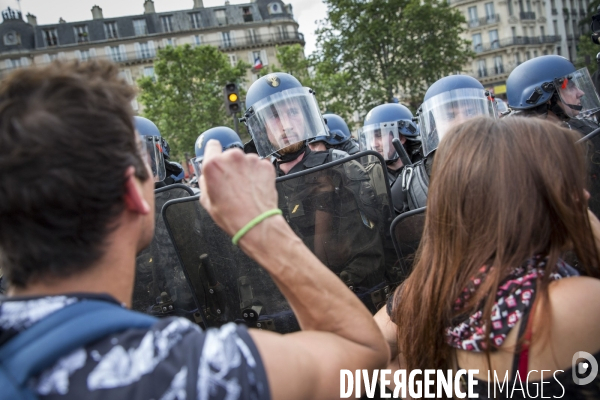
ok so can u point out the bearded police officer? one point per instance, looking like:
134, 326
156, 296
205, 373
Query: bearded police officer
334, 210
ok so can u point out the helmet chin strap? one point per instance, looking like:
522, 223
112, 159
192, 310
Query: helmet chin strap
573, 106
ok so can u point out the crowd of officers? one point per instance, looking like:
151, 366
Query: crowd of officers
286, 126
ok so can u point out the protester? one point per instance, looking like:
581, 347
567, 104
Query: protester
506, 202
76, 205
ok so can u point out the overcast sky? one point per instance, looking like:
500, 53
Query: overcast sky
306, 12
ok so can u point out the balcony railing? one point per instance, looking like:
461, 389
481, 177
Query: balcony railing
498, 69
148, 55
527, 15
482, 72
515, 41
490, 19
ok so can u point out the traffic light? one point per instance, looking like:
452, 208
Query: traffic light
232, 98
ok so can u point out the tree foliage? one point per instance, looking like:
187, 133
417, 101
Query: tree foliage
586, 49
186, 96
369, 52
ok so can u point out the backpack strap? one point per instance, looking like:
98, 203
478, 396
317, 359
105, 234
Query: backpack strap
65, 330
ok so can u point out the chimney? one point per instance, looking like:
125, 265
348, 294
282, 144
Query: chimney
97, 13
31, 19
61, 21
198, 4
149, 7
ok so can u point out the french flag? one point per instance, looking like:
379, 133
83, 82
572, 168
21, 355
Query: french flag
257, 64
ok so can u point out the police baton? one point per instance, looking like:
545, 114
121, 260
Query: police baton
589, 136
401, 152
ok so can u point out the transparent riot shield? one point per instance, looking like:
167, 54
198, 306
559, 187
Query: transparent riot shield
337, 212
160, 287
407, 229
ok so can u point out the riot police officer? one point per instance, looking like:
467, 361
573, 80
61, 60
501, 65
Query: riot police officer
157, 149
447, 103
333, 210
339, 136
228, 138
385, 123
550, 87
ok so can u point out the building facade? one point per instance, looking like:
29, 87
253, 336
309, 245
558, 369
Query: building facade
248, 32
505, 33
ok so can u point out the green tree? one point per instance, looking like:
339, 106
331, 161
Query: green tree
186, 96
370, 51
586, 49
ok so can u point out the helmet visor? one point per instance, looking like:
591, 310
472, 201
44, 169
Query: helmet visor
448, 109
154, 157
197, 164
578, 94
284, 119
379, 137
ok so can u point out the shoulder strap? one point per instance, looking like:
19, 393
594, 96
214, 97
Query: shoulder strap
41, 345
521, 363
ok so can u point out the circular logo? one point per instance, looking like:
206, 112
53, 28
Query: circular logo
582, 368
272, 80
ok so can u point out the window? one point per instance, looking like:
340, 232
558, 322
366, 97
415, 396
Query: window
110, 29
232, 59
513, 32
226, 39
251, 35
144, 50
527, 55
481, 68
168, 42
535, 53
167, 23
85, 55
149, 71
477, 46
195, 20
12, 38
489, 11
510, 8
81, 33
258, 55
498, 67
542, 32
494, 42
50, 37
117, 53
555, 25
473, 20
221, 17
282, 32
518, 58
126, 75
197, 40
558, 51
139, 27
15, 63
247, 13
528, 4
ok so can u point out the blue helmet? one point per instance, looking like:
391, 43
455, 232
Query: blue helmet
153, 146
281, 113
532, 83
338, 131
177, 174
226, 136
383, 124
552, 79
451, 101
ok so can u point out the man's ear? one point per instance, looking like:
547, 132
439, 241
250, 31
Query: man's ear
134, 196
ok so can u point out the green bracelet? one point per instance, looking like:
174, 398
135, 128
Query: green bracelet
255, 221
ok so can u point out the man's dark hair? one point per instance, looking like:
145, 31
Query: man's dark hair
66, 140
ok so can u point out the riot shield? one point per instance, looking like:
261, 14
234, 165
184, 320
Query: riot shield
592, 146
333, 208
407, 229
160, 287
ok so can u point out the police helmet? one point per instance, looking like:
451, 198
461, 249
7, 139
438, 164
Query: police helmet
448, 102
226, 136
152, 145
383, 124
281, 112
338, 132
177, 173
536, 81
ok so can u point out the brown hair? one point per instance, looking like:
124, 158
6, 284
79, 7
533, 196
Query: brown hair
501, 192
66, 139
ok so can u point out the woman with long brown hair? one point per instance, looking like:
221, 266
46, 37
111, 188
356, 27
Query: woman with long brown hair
507, 200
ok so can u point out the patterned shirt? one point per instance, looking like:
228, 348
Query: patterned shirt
173, 359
